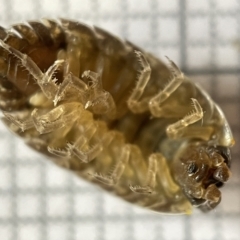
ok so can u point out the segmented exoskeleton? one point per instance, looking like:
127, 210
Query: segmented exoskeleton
114, 114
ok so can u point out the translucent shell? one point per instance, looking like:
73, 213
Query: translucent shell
114, 115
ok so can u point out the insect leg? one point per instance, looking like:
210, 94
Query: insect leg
148, 188
44, 80
158, 170
81, 148
22, 124
99, 100
159, 174
118, 170
69, 81
176, 129
59, 117
175, 82
77, 148
73, 54
134, 103
165, 177
88, 155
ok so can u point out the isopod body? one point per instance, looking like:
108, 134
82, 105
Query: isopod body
114, 115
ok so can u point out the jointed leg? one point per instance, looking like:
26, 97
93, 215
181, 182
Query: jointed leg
138, 105
59, 117
175, 130
175, 82
44, 80
81, 148
73, 52
22, 124
118, 170
135, 103
148, 188
94, 97
70, 81
157, 169
165, 177
98, 100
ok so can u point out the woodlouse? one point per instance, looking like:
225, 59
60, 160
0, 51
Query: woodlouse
114, 114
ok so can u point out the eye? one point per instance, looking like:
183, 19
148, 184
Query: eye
192, 168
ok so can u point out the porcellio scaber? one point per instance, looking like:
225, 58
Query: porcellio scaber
114, 114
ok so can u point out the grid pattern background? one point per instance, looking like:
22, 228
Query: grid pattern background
39, 201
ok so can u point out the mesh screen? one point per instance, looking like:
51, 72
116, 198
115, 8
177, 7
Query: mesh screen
39, 201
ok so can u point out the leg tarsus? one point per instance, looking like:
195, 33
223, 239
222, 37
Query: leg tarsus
134, 103
98, 100
174, 83
51, 71
23, 125
81, 147
175, 130
73, 54
44, 80
118, 170
83, 151
26, 61
174, 69
48, 83
148, 188
58, 117
70, 81
59, 152
85, 156
158, 169
93, 76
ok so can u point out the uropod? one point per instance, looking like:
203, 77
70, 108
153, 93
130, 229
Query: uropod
114, 114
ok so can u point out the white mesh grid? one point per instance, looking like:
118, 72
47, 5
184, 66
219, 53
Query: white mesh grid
39, 201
